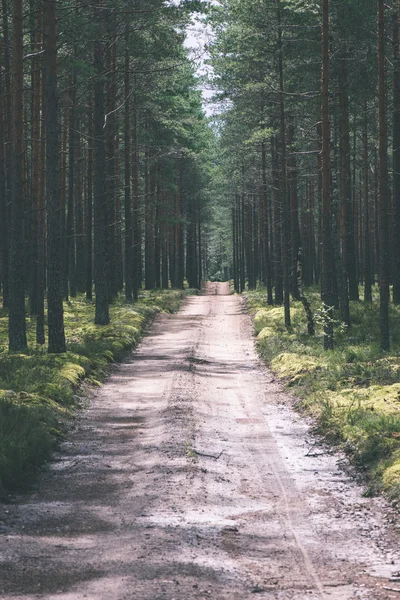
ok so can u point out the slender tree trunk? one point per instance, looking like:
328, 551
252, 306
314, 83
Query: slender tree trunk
294, 214
277, 224
283, 182
265, 227
128, 200
3, 191
102, 316
35, 162
80, 245
137, 227
17, 325
41, 231
396, 154
7, 153
383, 185
149, 223
111, 171
69, 259
89, 205
347, 225
367, 239
326, 274
56, 343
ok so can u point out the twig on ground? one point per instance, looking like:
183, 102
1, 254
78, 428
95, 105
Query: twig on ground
208, 455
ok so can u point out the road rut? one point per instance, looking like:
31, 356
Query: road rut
190, 477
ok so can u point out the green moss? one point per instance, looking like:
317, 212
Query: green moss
391, 476
353, 392
39, 392
265, 334
294, 367
272, 317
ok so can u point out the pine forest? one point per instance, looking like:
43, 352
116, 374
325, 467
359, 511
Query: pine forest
169, 169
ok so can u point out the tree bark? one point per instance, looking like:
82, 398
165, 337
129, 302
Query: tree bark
17, 324
367, 239
383, 185
347, 224
396, 154
56, 336
102, 316
326, 271
127, 173
89, 205
283, 179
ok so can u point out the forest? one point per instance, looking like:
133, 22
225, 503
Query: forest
119, 182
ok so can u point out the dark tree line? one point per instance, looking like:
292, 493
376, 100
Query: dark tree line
313, 118
102, 158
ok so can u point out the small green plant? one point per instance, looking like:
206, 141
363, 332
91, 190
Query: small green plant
324, 315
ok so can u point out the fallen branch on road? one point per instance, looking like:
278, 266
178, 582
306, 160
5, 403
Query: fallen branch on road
208, 455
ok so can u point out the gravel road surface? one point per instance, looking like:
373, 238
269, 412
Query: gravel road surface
191, 477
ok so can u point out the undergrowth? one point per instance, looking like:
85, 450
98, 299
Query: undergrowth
40, 392
353, 392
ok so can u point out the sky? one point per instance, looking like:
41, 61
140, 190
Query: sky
198, 36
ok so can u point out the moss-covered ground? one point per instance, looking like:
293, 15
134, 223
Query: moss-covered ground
40, 393
353, 392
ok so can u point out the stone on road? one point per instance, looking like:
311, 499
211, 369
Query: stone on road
190, 477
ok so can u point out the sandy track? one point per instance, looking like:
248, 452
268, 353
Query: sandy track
190, 477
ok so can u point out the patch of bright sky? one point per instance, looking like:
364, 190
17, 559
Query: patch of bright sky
198, 37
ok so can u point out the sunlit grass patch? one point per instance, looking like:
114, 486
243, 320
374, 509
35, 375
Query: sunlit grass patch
353, 392
40, 392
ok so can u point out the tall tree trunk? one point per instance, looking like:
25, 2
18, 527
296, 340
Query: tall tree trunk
69, 259
383, 185
136, 226
111, 171
265, 227
149, 222
396, 153
294, 214
41, 231
102, 316
17, 325
347, 225
326, 272
7, 152
35, 163
367, 239
278, 279
56, 342
89, 205
127, 197
80, 245
3, 191
283, 181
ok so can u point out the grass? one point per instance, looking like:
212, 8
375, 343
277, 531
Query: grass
353, 392
40, 393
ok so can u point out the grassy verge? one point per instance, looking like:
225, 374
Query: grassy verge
353, 392
39, 393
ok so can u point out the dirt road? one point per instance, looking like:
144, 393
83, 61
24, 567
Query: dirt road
190, 477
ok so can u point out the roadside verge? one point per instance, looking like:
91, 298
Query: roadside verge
352, 392
40, 393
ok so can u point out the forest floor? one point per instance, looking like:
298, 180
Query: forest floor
190, 476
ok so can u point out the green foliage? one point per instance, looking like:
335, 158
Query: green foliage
353, 392
26, 439
40, 392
